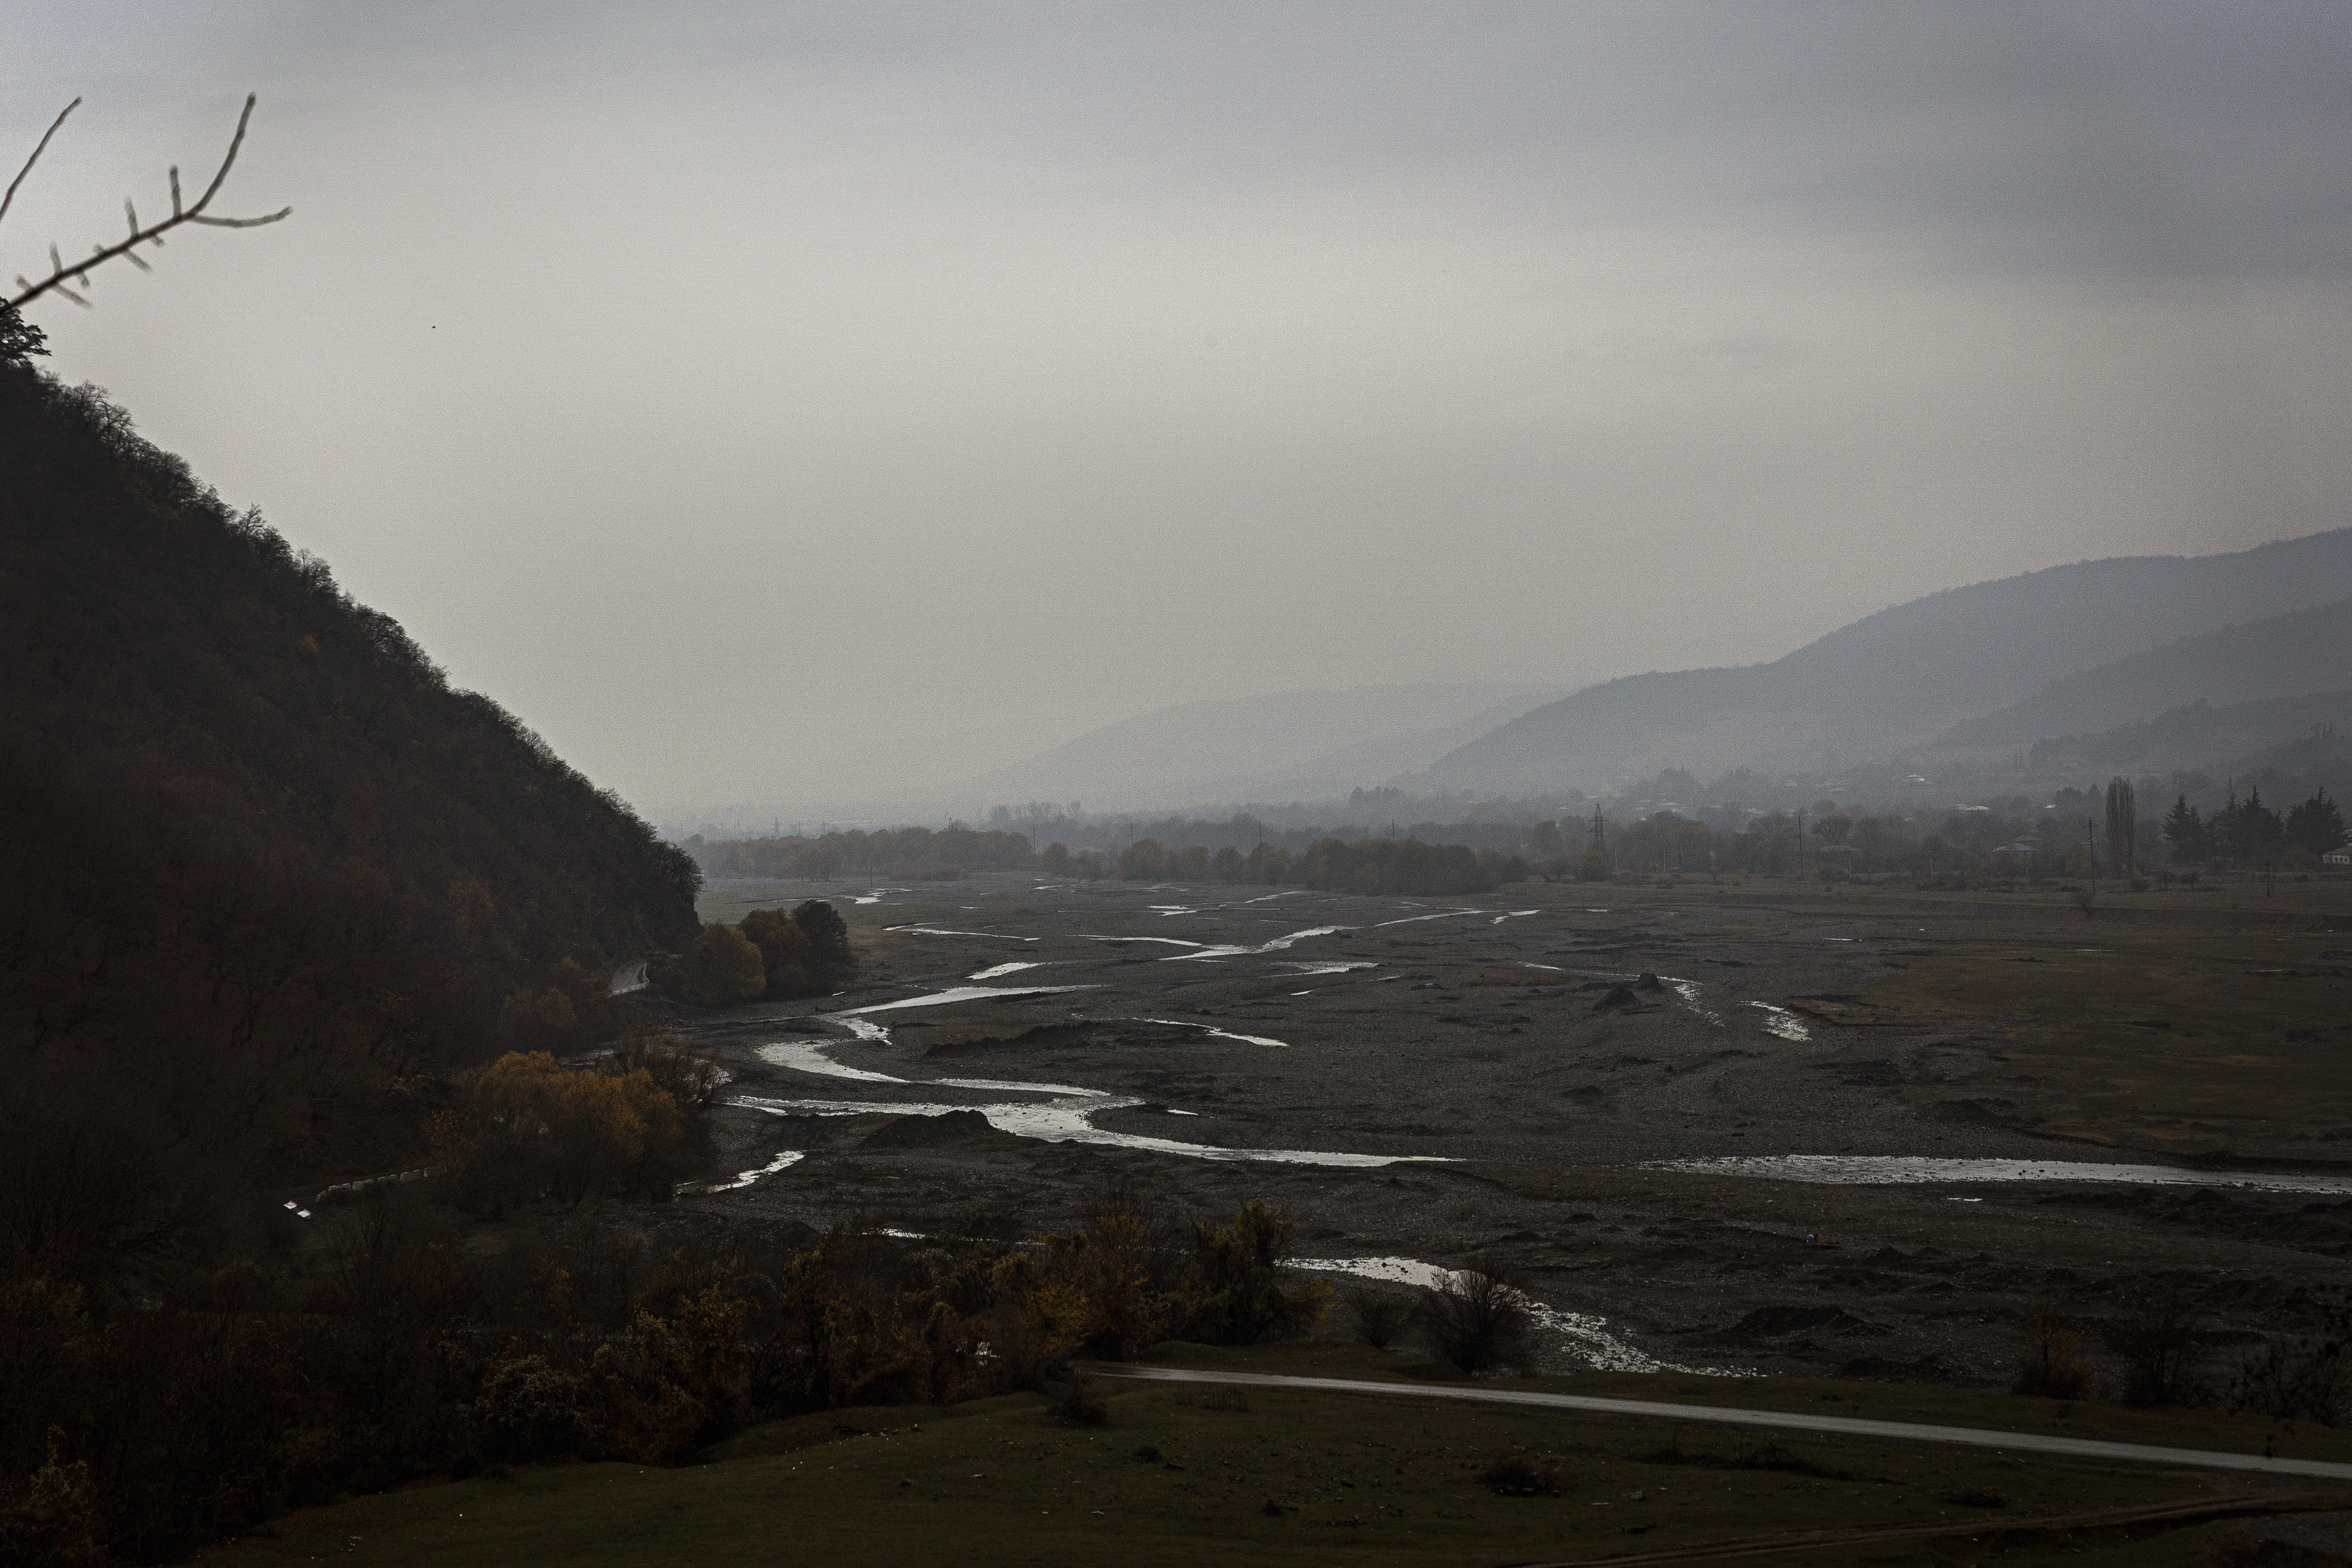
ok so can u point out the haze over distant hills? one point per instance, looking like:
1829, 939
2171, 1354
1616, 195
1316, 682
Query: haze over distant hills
2286, 655
1901, 677
1281, 746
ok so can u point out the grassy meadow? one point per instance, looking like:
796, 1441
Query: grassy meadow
1180, 1474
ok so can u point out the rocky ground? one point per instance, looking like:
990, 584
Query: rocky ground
1422, 1080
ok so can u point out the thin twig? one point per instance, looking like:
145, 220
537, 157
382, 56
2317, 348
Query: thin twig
35, 158
80, 273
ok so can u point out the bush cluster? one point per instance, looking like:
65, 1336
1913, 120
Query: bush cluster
164, 1389
770, 954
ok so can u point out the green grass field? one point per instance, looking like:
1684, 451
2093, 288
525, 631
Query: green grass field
1184, 1474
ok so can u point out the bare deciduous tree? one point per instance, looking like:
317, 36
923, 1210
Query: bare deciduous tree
61, 272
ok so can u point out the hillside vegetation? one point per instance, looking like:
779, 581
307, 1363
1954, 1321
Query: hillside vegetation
267, 872
2306, 652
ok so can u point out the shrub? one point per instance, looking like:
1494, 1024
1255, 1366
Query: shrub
529, 1410
1512, 1475
1233, 1291
2157, 1345
2051, 1362
1081, 1404
1477, 1319
673, 1384
2304, 1381
1380, 1316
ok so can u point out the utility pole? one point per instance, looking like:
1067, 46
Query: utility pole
1800, 846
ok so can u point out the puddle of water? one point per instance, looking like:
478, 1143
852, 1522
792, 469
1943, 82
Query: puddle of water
1338, 966
1905, 1170
1066, 1121
1587, 1334
1447, 915
1783, 1023
1512, 915
1020, 1085
1555, 968
1277, 945
958, 993
995, 970
1173, 910
789, 1157
1223, 1034
937, 931
809, 1056
803, 1055
1288, 893
1169, 940
1688, 991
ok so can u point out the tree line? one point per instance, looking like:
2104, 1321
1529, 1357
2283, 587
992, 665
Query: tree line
903, 854
2251, 833
1376, 866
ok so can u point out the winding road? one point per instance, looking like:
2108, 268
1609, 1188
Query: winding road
1776, 1420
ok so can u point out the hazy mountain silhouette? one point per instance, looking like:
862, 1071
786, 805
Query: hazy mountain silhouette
1899, 677
1283, 745
2286, 656
2202, 735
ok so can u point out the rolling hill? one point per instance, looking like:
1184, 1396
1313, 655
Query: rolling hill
2286, 655
1284, 745
1898, 679
267, 870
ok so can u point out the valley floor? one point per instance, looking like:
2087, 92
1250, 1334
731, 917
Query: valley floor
1417, 1080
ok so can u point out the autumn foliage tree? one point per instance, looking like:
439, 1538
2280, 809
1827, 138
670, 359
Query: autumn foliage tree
530, 1128
723, 966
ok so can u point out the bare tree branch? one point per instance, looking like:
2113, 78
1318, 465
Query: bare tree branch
35, 158
60, 274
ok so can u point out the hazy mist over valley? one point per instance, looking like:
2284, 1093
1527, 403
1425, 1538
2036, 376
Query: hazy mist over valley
1062, 783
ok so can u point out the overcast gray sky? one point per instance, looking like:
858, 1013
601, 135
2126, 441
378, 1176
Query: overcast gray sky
807, 403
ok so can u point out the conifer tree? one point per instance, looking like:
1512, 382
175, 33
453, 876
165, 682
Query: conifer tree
2186, 831
2316, 825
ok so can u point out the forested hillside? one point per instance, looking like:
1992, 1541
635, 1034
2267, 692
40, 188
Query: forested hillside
2301, 654
266, 871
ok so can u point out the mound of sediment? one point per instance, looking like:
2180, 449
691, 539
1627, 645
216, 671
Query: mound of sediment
942, 1130
952, 1041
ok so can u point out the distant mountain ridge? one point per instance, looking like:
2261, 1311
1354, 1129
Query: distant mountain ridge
2285, 656
1900, 678
2202, 735
1278, 746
